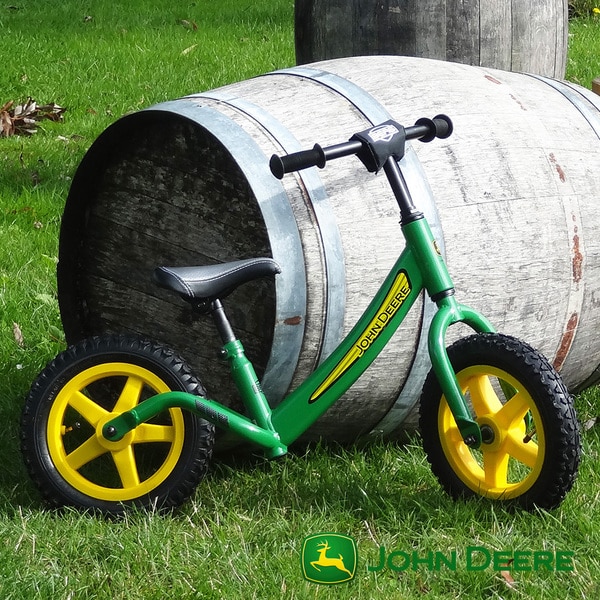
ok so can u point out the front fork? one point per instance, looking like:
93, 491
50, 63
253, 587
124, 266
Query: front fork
440, 287
449, 313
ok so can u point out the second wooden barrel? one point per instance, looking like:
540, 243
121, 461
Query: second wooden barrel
514, 35
512, 198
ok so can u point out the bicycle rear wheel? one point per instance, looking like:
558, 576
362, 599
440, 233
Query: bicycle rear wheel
155, 466
531, 445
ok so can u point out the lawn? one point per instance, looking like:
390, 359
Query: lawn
241, 534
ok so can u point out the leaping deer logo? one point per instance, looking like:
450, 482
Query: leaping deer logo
326, 561
338, 567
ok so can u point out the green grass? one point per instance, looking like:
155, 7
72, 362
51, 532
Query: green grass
241, 534
583, 64
582, 7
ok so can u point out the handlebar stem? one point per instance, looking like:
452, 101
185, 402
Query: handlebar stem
408, 210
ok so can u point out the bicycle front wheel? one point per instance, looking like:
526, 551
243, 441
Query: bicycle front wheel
531, 445
155, 466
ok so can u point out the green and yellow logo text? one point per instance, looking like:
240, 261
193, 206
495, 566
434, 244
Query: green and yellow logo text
398, 293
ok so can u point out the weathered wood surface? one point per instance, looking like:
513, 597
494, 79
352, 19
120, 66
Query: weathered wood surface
515, 187
162, 200
514, 35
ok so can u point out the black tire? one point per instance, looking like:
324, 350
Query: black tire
536, 437
76, 392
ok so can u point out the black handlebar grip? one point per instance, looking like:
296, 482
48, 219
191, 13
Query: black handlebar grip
280, 165
443, 126
439, 127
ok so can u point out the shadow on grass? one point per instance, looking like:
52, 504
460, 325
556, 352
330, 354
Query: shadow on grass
382, 480
16, 488
18, 369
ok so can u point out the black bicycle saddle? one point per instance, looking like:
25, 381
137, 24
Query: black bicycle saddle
209, 282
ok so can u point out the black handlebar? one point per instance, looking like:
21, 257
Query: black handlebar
380, 142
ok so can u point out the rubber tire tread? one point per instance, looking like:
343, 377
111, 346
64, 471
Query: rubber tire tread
548, 391
163, 362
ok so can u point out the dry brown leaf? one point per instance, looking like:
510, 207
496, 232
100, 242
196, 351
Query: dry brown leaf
22, 118
188, 50
188, 24
18, 335
6, 126
508, 578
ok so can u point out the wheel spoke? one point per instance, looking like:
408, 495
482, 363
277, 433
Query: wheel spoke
470, 460
495, 466
87, 408
454, 435
484, 398
85, 453
525, 453
513, 411
147, 433
126, 466
130, 395
449, 426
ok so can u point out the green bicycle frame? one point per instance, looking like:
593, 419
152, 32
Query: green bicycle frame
420, 266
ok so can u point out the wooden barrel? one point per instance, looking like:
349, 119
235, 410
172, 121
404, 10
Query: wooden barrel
513, 35
187, 182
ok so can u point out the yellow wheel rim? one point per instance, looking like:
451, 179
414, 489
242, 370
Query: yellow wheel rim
112, 471
511, 461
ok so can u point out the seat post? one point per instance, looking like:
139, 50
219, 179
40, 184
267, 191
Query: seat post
245, 378
221, 321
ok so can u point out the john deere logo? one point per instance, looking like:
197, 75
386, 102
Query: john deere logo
329, 558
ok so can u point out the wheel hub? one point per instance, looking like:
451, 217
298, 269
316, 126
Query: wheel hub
487, 434
108, 444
